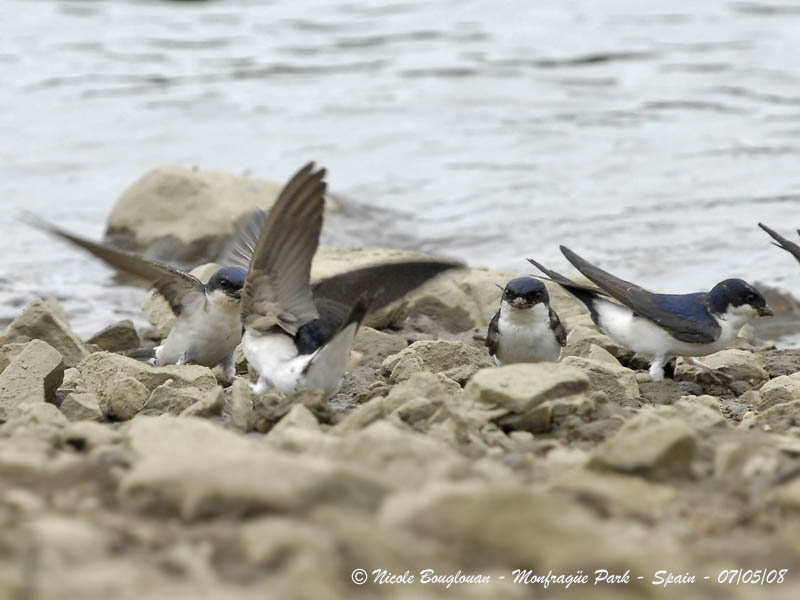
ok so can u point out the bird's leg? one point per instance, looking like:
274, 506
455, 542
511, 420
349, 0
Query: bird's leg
183, 359
229, 368
657, 367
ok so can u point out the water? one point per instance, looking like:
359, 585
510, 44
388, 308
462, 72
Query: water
651, 137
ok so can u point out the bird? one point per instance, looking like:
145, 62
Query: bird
660, 326
782, 242
526, 328
207, 325
298, 335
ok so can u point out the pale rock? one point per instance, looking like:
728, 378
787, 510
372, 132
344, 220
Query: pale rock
187, 215
616, 381
98, 369
192, 468
455, 360
32, 376
581, 338
79, 406
46, 321
739, 365
126, 397
657, 449
237, 409
117, 337
521, 387
167, 398
8, 352
785, 388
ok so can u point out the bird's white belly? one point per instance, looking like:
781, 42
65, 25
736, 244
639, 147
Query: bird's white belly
275, 357
205, 337
649, 340
525, 336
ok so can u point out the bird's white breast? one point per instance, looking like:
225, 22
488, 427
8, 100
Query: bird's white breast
206, 336
525, 335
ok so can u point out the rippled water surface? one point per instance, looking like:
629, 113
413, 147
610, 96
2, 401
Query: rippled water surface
650, 136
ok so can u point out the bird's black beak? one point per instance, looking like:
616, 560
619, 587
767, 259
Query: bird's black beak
765, 311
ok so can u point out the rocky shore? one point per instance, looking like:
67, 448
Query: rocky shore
121, 480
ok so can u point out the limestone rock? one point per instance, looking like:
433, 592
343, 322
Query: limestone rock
167, 398
126, 397
785, 388
44, 321
656, 450
117, 337
8, 353
78, 407
98, 369
739, 365
780, 418
32, 376
453, 359
375, 346
617, 382
580, 340
189, 467
521, 387
237, 409
186, 215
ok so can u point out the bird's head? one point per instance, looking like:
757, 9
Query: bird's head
228, 281
525, 292
739, 298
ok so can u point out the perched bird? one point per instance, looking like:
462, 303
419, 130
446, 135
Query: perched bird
207, 325
659, 326
298, 335
782, 242
526, 328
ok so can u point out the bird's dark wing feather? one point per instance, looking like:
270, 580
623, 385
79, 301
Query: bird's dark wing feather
178, 288
587, 294
243, 244
782, 242
558, 328
493, 334
684, 316
384, 283
277, 289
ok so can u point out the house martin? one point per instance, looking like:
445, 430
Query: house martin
659, 326
526, 328
207, 325
782, 242
297, 334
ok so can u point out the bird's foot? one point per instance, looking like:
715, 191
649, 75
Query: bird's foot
229, 369
260, 387
714, 372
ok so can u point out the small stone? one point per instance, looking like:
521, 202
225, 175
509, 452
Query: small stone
738, 365
581, 339
8, 353
616, 381
81, 407
659, 450
237, 409
126, 397
521, 387
455, 360
375, 345
785, 388
168, 399
32, 376
117, 337
45, 321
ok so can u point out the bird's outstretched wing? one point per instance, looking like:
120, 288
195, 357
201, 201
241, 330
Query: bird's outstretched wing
277, 289
684, 316
782, 242
240, 249
178, 288
383, 283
